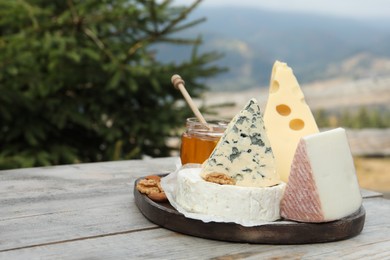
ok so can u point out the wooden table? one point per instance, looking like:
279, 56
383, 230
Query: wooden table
87, 211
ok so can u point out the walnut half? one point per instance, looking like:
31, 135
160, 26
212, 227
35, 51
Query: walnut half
151, 186
220, 178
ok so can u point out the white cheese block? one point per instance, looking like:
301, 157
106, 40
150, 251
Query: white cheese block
226, 203
287, 117
323, 185
244, 152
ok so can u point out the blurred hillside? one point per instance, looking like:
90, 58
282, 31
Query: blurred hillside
333, 97
342, 64
317, 47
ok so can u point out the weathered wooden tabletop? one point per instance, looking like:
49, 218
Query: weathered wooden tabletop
87, 211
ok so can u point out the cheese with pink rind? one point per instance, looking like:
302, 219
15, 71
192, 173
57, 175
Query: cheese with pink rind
322, 184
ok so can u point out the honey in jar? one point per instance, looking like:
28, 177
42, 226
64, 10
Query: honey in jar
199, 140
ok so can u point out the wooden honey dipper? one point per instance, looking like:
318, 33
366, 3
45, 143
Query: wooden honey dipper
178, 83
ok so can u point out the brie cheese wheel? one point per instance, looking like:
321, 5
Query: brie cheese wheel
226, 203
287, 117
322, 185
244, 152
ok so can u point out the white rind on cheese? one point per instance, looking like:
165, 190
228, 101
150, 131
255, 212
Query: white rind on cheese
226, 203
323, 185
287, 117
244, 152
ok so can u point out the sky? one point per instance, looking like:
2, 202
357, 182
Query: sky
343, 8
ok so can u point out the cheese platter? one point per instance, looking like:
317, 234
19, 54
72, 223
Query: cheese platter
272, 178
277, 232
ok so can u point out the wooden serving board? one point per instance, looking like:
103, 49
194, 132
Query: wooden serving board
278, 232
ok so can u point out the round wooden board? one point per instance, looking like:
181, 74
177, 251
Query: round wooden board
164, 215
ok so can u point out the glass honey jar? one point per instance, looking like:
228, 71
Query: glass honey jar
199, 140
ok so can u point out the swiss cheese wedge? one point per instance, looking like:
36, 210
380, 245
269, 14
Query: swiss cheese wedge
287, 117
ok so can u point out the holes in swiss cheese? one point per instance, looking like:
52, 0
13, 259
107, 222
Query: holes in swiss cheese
283, 110
297, 124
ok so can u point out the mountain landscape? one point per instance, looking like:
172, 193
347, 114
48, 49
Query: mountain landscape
316, 47
341, 64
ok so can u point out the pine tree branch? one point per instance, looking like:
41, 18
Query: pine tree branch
181, 17
152, 10
77, 20
167, 30
75, 16
99, 43
181, 41
188, 25
30, 12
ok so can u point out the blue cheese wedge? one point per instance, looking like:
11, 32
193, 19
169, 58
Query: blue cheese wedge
244, 152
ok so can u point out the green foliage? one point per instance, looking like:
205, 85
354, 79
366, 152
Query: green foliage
363, 117
79, 81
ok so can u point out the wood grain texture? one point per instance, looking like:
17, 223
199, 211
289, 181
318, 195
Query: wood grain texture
87, 211
372, 243
42, 205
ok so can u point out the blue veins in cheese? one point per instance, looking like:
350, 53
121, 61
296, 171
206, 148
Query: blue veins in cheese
244, 152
